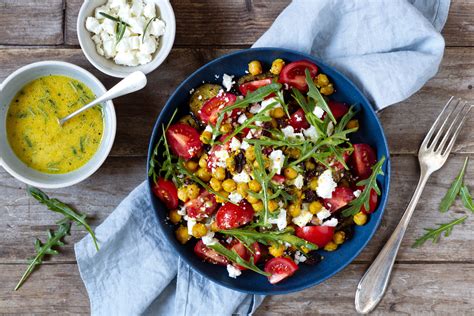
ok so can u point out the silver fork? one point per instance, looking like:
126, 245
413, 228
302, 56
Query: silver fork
432, 155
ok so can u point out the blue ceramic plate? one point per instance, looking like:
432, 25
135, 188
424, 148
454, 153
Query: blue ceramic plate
370, 132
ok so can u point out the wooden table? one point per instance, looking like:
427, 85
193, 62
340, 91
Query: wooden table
432, 279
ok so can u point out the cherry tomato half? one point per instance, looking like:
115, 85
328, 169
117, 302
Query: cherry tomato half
340, 198
338, 109
254, 85
202, 206
373, 201
208, 254
183, 140
166, 191
363, 158
280, 268
298, 120
209, 113
319, 235
232, 215
294, 75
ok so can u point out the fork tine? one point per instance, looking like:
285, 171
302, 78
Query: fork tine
454, 122
447, 118
456, 133
428, 136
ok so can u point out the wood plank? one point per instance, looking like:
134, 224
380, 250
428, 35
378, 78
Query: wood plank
405, 124
242, 22
31, 22
22, 219
58, 289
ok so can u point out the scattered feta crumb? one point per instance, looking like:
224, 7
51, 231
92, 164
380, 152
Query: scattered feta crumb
318, 111
311, 133
191, 91
280, 220
299, 257
227, 81
326, 185
255, 108
289, 132
191, 222
302, 219
330, 129
209, 239
267, 102
244, 145
298, 182
242, 177
182, 210
323, 214
241, 120
235, 197
357, 193
235, 144
208, 128
221, 156
332, 222
278, 160
233, 271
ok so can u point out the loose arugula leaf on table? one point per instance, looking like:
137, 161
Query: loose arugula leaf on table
435, 233
248, 236
234, 257
43, 249
369, 184
466, 198
453, 191
59, 207
314, 93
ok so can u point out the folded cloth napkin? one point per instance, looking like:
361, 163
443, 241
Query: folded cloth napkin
389, 48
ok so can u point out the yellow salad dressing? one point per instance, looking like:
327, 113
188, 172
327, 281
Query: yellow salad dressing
34, 132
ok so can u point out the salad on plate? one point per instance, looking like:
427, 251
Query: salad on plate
261, 174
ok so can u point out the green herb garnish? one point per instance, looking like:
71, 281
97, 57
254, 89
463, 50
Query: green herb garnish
435, 233
54, 240
120, 27
454, 190
105, 15
146, 28
314, 93
59, 207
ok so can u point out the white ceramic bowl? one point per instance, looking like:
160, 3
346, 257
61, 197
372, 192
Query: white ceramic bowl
108, 66
8, 159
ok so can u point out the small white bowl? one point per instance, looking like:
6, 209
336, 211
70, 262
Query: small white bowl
108, 66
12, 164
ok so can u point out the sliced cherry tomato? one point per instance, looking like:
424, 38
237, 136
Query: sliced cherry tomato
183, 140
298, 120
294, 75
254, 85
208, 254
232, 216
373, 201
338, 165
363, 158
166, 191
319, 235
340, 198
280, 268
211, 108
338, 109
202, 206
279, 179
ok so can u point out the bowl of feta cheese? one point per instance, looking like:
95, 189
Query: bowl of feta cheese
119, 37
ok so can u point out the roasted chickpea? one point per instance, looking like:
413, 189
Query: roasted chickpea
219, 173
252, 199
215, 184
250, 154
183, 194
294, 209
193, 191
309, 165
327, 90
203, 161
203, 174
330, 246
242, 189
214, 226
206, 137
223, 194
360, 219
352, 124
255, 67
258, 207
276, 250
229, 185
230, 164
199, 230
313, 184
277, 112
226, 128
174, 217
182, 234
255, 186
321, 80
339, 237
191, 165
315, 207
272, 205
277, 66
290, 173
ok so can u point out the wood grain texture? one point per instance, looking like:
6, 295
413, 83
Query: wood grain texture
242, 22
31, 22
405, 124
22, 218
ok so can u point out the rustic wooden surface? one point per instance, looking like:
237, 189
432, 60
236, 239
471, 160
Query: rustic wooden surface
434, 279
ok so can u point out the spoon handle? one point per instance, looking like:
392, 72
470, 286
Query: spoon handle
133, 82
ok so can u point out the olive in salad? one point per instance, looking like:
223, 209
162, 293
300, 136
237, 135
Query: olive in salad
262, 173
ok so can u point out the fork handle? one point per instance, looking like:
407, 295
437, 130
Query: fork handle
373, 284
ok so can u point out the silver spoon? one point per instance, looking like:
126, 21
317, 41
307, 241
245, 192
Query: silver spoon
133, 82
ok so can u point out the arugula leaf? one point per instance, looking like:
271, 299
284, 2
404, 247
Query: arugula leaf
453, 191
345, 119
234, 257
435, 233
314, 93
369, 184
59, 207
263, 178
54, 240
249, 236
466, 198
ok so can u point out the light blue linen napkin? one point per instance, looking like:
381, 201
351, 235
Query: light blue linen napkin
389, 48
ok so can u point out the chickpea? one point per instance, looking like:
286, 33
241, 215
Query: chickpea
182, 234
254, 185
272, 205
309, 165
294, 209
339, 237
252, 199
242, 189
191, 165
214, 226
203, 161
274, 123
175, 218
360, 219
313, 184
293, 152
315, 207
277, 112
250, 154
193, 191
277, 66
223, 194
258, 207
199, 230
321, 80
203, 174
230, 163
206, 137
277, 250
183, 194
255, 67
229, 185
215, 184
290, 173
226, 128
353, 124
327, 90
219, 173
330, 246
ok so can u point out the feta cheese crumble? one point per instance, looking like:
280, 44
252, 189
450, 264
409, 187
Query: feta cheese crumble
298, 182
318, 111
357, 193
235, 144
326, 185
134, 48
191, 222
241, 120
235, 197
323, 214
311, 133
278, 160
244, 145
242, 177
280, 220
289, 132
209, 239
302, 219
299, 257
331, 223
233, 271
227, 81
